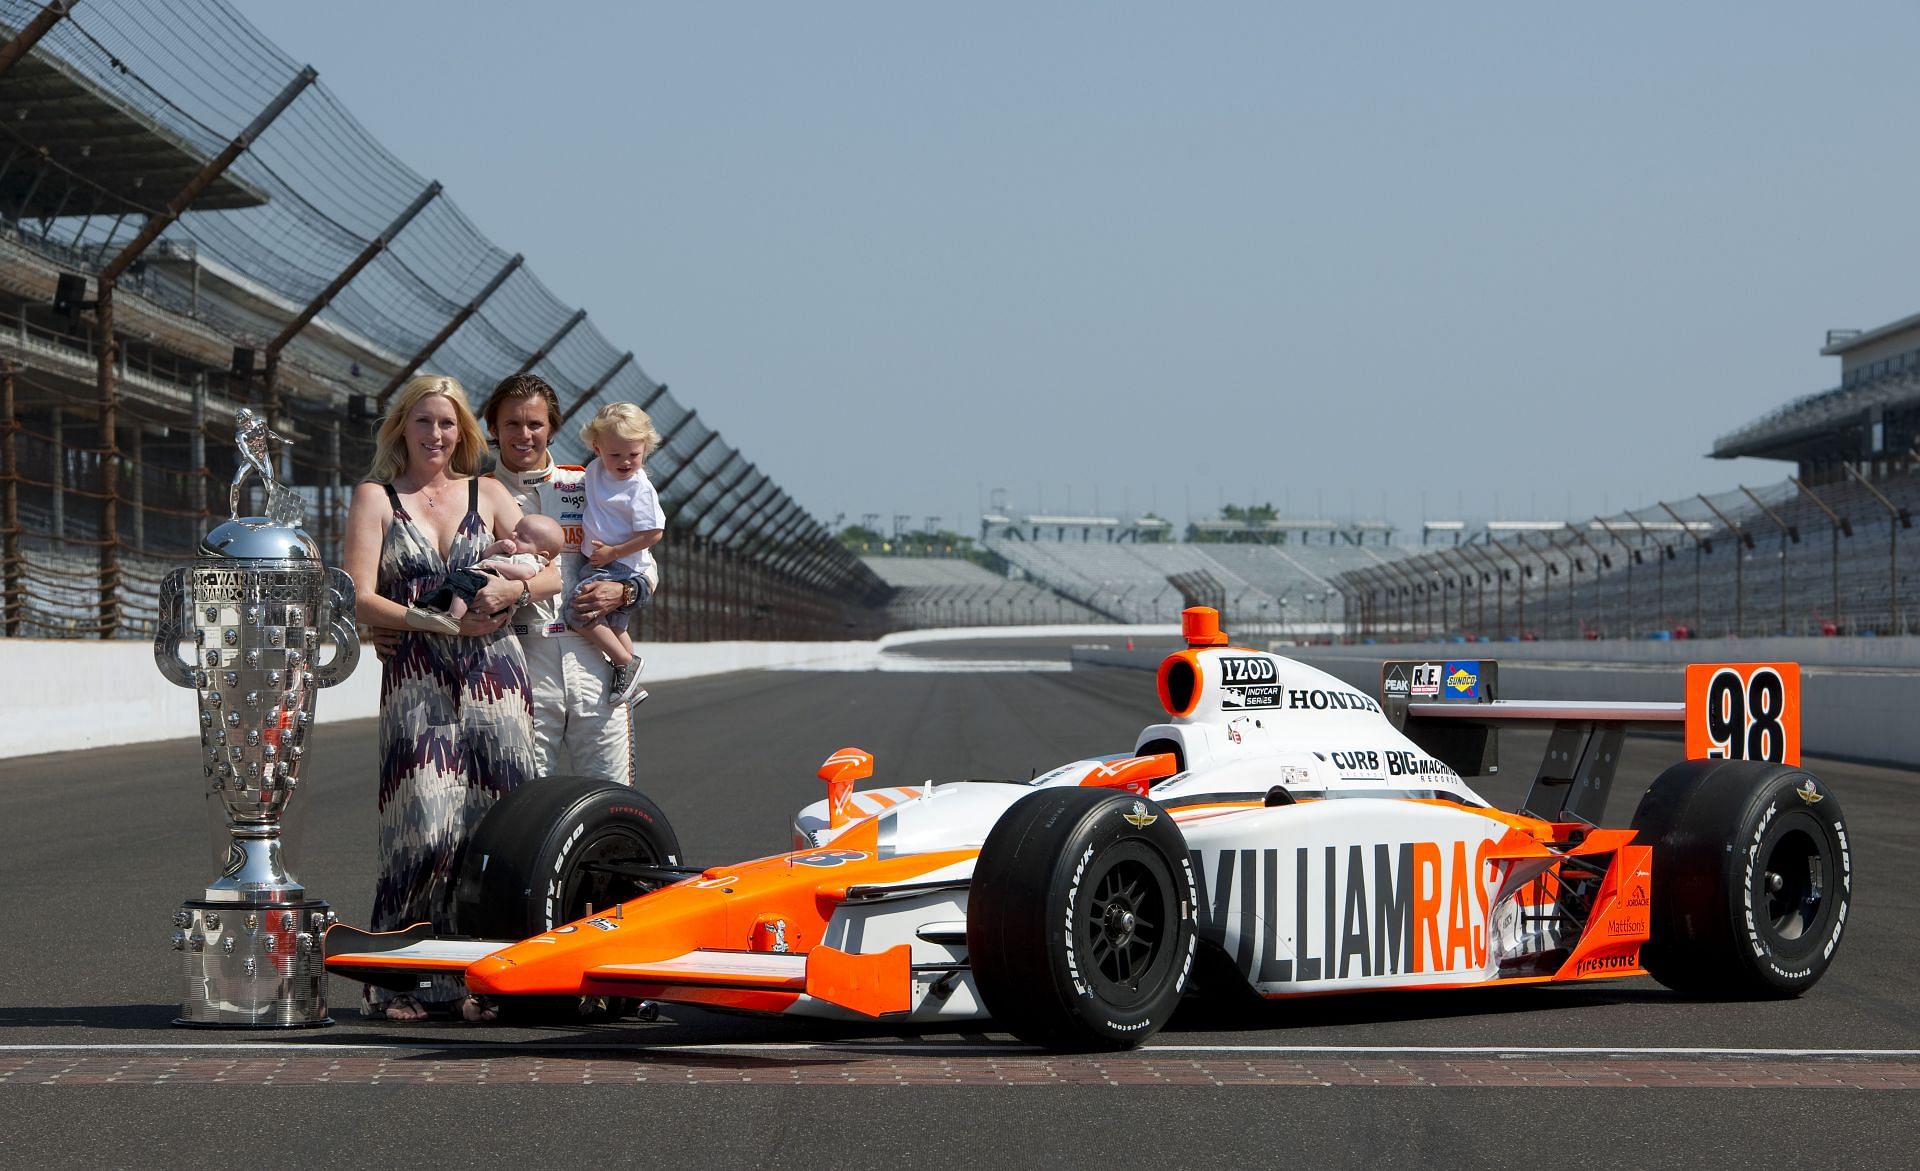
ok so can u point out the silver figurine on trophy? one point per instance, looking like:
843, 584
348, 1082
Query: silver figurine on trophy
257, 609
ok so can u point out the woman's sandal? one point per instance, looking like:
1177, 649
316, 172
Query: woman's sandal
479, 1010
404, 1009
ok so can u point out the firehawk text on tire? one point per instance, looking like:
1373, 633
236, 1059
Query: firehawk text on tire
1080, 926
1753, 877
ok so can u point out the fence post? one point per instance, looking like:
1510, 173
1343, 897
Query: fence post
1661, 554
1896, 520
12, 600
1520, 585
1842, 526
1787, 532
109, 439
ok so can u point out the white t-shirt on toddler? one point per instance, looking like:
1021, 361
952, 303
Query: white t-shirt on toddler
619, 510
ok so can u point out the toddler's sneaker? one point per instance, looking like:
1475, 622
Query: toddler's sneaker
622, 683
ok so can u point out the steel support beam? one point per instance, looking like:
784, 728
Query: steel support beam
216, 166
29, 36
14, 596
746, 469
559, 335
674, 512
600, 384
661, 488
325, 296
1896, 519
1841, 527
746, 498
453, 324
780, 532
773, 512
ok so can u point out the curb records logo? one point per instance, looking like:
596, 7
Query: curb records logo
1248, 681
1426, 679
1462, 680
1396, 681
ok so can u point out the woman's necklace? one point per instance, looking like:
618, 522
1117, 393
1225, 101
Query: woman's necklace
431, 500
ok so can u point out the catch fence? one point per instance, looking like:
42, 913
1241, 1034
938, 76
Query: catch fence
191, 223
1835, 558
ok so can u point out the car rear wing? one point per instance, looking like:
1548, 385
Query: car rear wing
1453, 709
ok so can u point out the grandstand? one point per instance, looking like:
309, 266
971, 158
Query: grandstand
950, 591
179, 240
1273, 577
1828, 551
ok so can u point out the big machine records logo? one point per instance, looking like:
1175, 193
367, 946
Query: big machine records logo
1248, 681
1426, 679
1461, 680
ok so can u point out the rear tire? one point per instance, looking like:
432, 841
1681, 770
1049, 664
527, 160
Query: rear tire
1080, 920
526, 871
1752, 877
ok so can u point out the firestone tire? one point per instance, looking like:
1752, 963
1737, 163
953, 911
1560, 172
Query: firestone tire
1080, 921
524, 871
1752, 878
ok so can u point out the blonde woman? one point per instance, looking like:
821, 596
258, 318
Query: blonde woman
455, 710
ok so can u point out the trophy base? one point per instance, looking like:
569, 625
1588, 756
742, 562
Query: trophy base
253, 966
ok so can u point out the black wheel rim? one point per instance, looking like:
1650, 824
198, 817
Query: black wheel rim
1793, 881
592, 886
1124, 925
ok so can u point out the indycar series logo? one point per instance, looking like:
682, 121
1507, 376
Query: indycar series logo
1462, 680
1248, 681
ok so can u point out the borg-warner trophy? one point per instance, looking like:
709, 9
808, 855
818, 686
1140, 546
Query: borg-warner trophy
256, 606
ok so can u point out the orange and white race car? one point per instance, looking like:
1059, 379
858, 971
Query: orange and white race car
1279, 827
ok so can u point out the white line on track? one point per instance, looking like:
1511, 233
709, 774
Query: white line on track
937, 1048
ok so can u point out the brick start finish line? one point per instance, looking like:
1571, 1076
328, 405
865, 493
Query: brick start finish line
853, 1069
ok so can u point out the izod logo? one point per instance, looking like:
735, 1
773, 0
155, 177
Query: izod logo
1246, 669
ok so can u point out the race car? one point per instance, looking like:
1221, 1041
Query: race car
1284, 832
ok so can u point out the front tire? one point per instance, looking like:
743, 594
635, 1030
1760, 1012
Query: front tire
1752, 878
1080, 921
530, 866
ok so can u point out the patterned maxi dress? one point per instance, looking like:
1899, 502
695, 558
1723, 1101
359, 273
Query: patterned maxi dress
456, 733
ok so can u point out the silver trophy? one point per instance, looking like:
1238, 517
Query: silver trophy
257, 610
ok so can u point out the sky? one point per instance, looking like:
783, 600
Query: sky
1401, 260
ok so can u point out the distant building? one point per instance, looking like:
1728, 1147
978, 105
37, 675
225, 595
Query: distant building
1871, 420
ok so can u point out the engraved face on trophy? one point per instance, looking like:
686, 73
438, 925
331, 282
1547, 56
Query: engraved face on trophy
259, 609
255, 633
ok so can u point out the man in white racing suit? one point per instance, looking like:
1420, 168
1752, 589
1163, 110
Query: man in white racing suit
573, 730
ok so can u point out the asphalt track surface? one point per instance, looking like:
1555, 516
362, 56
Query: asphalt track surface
98, 848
